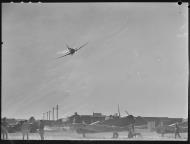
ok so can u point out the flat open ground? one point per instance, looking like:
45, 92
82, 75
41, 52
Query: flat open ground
70, 135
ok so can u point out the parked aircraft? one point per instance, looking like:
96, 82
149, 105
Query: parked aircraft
114, 124
171, 128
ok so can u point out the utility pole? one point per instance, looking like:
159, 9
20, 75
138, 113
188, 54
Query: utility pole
43, 116
53, 113
49, 114
57, 111
119, 111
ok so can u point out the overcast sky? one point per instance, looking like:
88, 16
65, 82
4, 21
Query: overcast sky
137, 56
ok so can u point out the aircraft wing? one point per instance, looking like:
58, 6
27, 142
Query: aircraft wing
172, 125
65, 53
81, 46
96, 128
141, 127
94, 123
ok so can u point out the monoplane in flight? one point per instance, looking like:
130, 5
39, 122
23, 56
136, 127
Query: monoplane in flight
70, 51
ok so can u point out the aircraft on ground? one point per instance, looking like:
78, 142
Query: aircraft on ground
183, 127
70, 51
113, 124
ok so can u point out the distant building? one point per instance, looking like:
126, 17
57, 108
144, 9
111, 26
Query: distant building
162, 120
63, 119
12, 121
86, 118
97, 114
140, 121
151, 125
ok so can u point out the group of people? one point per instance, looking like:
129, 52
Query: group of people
132, 133
25, 129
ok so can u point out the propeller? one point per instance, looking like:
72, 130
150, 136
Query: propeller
67, 46
127, 112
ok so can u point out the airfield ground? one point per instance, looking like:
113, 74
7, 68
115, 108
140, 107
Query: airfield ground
70, 135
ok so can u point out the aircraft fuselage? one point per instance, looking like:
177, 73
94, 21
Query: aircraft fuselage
111, 125
72, 51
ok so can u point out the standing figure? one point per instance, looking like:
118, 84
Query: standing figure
162, 131
177, 131
41, 129
131, 132
133, 127
25, 129
115, 134
4, 126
